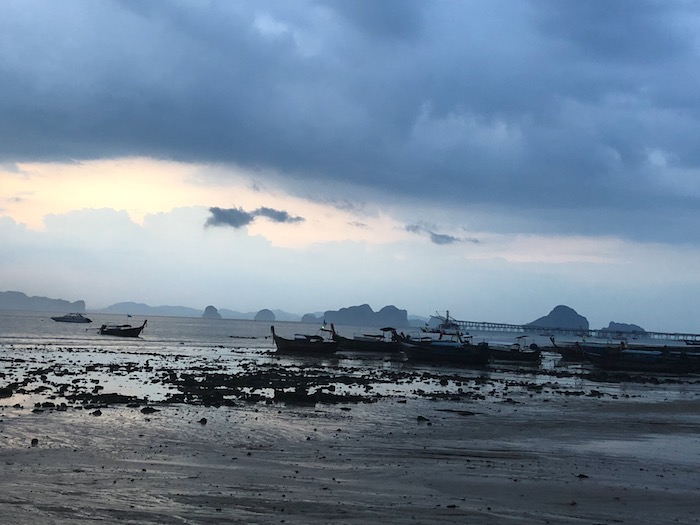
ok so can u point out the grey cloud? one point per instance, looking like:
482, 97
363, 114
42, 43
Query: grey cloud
237, 217
422, 99
276, 215
234, 217
436, 238
401, 19
628, 30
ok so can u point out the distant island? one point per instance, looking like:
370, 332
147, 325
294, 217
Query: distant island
142, 309
561, 317
20, 301
210, 312
362, 315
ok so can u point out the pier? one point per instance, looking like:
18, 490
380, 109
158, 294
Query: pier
481, 326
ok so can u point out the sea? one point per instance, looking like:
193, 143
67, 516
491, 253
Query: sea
36, 351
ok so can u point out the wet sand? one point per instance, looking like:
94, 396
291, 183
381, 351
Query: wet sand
581, 460
220, 436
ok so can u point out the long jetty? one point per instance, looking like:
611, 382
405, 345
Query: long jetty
602, 333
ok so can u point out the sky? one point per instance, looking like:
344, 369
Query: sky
493, 158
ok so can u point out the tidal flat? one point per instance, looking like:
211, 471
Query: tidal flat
238, 435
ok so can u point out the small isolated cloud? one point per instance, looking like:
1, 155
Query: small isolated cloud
238, 217
437, 238
276, 215
234, 217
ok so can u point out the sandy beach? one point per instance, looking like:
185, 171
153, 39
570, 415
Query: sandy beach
530, 458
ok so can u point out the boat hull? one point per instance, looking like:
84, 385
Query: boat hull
309, 345
72, 318
662, 361
360, 345
464, 354
122, 330
516, 356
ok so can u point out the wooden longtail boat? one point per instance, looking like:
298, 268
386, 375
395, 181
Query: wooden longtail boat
387, 341
304, 344
122, 330
449, 348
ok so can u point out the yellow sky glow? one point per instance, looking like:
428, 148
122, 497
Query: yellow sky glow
145, 186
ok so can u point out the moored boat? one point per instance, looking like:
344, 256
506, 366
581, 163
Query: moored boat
634, 358
386, 341
72, 318
122, 330
570, 352
653, 359
304, 344
445, 324
517, 352
449, 348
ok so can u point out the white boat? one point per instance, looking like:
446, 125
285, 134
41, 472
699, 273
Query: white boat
72, 318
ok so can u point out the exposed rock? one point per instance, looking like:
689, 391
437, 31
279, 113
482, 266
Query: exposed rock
265, 315
211, 312
561, 317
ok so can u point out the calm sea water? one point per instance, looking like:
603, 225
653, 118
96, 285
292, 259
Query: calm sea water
21, 327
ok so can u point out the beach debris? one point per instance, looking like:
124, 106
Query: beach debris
35, 442
202, 421
149, 410
96, 413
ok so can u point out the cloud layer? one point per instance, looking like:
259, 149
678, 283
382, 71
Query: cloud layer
573, 117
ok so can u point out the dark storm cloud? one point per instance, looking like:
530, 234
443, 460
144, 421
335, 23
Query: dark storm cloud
623, 31
237, 217
386, 19
567, 114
